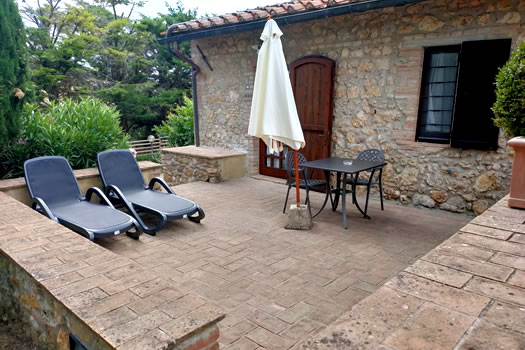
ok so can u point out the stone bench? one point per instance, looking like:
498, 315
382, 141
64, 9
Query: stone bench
190, 163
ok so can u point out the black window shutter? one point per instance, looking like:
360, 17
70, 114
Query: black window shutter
479, 63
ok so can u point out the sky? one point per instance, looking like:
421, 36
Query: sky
205, 7
217, 7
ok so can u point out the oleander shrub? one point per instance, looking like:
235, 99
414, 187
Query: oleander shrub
77, 130
178, 127
509, 108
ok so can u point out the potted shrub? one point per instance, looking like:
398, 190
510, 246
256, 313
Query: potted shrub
509, 111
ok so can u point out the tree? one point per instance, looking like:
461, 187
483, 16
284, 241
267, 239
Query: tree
156, 81
13, 65
96, 49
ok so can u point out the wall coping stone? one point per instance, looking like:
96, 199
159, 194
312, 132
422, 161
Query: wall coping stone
80, 174
204, 152
49, 253
471, 288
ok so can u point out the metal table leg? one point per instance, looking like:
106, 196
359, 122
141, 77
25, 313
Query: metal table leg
343, 201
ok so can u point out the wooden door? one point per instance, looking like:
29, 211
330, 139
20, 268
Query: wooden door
312, 81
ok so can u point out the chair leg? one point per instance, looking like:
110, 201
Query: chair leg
381, 194
286, 200
367, 196
307, 202
343, 202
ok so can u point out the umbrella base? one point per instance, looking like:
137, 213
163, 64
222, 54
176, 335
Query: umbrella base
299, 218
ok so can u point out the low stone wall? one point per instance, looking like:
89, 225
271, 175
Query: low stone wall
467, 293
54, 282
188, 164
86, 178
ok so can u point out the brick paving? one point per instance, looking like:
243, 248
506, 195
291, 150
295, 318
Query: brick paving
277, 286
467, 293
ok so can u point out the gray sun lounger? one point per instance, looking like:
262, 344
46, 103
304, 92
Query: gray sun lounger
124, 183
55, 193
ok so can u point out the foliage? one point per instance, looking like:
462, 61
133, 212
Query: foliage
75, 130
96, 49
509, 108
144, 105
178, 127
13, 68
153, 157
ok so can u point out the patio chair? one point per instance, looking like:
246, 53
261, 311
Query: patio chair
374, 178
123, 183
304, 183
55, 193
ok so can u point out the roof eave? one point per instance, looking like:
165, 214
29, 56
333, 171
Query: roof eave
284, 19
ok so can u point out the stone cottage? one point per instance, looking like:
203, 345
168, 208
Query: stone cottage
412, 78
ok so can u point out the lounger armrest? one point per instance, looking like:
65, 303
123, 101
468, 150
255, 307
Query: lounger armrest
45, 209
100, 194
160, 182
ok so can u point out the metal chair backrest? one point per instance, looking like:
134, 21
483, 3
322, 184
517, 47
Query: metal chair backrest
290, 163
372, 155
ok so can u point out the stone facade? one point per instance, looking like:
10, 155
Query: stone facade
379, 57
181, 165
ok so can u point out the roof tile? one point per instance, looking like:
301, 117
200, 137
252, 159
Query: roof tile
276, 10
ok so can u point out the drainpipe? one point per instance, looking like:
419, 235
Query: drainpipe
194, 71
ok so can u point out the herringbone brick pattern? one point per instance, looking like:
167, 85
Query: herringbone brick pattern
276, 286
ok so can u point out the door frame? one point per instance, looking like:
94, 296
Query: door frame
280, 173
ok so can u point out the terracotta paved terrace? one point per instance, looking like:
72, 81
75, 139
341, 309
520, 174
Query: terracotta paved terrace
466, 294
278, 287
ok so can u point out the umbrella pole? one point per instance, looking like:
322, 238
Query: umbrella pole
297, 187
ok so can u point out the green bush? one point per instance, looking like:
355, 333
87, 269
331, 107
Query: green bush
509, 108
152, 157
13, 70
77, 130
178, 127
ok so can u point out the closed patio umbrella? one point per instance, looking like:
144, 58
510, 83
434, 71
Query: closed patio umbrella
273, 116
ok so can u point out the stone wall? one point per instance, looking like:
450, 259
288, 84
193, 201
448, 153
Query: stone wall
379, 57
182, 165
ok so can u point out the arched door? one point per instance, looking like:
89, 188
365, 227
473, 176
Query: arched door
312, 82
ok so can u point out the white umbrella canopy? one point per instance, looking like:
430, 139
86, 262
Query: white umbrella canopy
273, 116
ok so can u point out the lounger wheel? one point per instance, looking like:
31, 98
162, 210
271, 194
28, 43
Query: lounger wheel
135, 234
197, 219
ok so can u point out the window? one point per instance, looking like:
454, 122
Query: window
457, 92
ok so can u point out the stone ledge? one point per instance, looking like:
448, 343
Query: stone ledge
87, 178
80, 174
53, 282
203, 152
467, 293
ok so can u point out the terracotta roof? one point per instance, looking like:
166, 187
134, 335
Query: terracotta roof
277, 10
